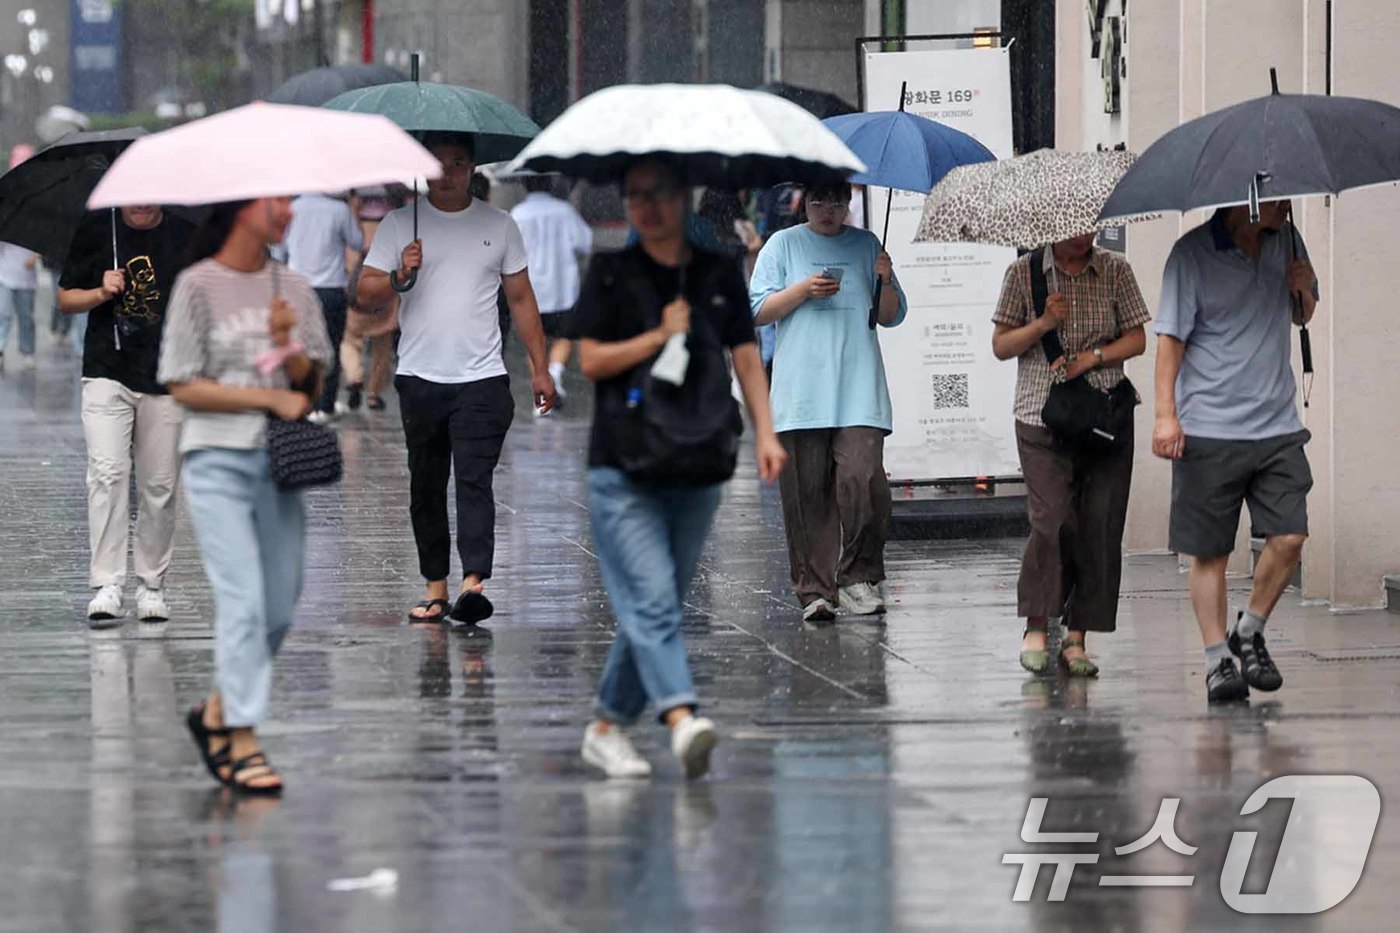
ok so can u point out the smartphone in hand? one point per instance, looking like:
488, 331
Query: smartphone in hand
833, 274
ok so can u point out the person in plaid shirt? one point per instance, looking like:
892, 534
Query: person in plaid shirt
1077, 500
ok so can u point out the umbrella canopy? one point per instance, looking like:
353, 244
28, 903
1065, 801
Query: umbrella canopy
1029, 201
44, 199
905, 151
1270, 148
262, 150
821, 104
313, 88
500, 130
718, 135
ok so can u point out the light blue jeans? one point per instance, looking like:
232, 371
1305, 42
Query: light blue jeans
252, 537
17, 304
649, 541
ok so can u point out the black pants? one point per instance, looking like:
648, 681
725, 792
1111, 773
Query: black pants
454, 430
333, 307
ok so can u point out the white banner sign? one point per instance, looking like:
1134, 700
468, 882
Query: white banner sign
952, 398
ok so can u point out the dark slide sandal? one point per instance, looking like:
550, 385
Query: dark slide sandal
429, 605
472, 607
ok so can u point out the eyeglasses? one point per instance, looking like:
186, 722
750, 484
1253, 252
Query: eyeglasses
649, 195
829, 207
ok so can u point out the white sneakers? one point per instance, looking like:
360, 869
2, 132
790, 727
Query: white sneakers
691, 742
859, 599
150, 605
862, 599
107, 609
613, 752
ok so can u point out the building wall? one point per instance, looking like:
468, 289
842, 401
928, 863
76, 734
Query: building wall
482, 44
1187, 58
23, 99
811, 43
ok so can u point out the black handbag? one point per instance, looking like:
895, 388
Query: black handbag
664, 434
301, 454
1077, 413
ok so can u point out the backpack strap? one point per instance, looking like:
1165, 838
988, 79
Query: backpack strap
1040, 292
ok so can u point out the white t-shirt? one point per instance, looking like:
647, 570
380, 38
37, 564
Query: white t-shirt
13, 273
556, 237
451, 333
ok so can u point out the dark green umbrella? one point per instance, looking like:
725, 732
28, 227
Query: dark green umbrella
43, 200
499, 131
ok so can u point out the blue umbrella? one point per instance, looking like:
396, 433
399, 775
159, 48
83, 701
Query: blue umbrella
904, 151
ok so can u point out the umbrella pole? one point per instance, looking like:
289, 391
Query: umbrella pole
889, 202
116, 263
412, 273
1304, 338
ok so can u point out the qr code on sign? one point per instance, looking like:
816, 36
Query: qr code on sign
950, 390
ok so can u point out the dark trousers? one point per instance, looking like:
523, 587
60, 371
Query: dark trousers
1078, 504
333, 304
455, 430
836, 509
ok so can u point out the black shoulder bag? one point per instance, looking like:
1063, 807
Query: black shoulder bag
664, 434
1076, 413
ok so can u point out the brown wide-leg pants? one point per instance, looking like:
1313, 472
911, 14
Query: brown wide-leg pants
1077, 503
836, 509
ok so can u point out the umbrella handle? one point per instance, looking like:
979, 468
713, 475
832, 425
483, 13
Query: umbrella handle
407, 284
875, 305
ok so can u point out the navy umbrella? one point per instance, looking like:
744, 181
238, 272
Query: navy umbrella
313, 88
1267, 149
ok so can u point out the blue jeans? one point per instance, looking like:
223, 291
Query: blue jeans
17, 304
649, 541
252, 537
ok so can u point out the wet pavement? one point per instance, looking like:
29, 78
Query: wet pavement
870, 777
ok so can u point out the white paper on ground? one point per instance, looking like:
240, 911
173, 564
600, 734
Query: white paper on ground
379, 880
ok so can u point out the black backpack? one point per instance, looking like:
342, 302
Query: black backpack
664, 434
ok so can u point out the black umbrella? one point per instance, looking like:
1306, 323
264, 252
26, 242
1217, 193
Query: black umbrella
1267, 149
313, 88
821, 104
44, 199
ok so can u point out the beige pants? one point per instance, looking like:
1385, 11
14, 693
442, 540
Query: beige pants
379, 330
126, 430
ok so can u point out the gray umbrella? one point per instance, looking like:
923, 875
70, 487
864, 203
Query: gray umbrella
1268, 149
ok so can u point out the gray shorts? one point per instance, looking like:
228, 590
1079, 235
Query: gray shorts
1215, 477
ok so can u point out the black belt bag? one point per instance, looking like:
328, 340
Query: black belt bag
1077, 413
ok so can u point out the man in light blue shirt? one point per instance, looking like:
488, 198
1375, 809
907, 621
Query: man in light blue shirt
1226, 415
321, 231
831, 406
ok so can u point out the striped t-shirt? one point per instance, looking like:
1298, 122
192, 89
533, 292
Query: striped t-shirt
216, 326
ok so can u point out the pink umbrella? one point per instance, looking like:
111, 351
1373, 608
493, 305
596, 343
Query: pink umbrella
262, 150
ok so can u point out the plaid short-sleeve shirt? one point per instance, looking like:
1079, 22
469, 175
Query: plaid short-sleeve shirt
1104, 302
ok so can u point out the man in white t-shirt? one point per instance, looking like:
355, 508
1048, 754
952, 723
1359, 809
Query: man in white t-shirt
454, 394
556, 238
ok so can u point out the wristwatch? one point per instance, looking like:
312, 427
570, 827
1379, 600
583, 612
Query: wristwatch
1098, 356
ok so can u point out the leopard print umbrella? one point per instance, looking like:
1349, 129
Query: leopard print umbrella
1026, 202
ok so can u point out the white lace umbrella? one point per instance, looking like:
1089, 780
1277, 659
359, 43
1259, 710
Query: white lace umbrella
1029, 201
718, 135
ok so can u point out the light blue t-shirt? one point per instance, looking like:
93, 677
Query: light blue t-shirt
827, 368
1234, 315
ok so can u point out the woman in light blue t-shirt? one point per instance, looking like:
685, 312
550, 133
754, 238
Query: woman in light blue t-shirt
831, 406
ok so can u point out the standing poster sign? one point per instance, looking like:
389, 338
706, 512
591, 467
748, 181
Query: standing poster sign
952, 398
